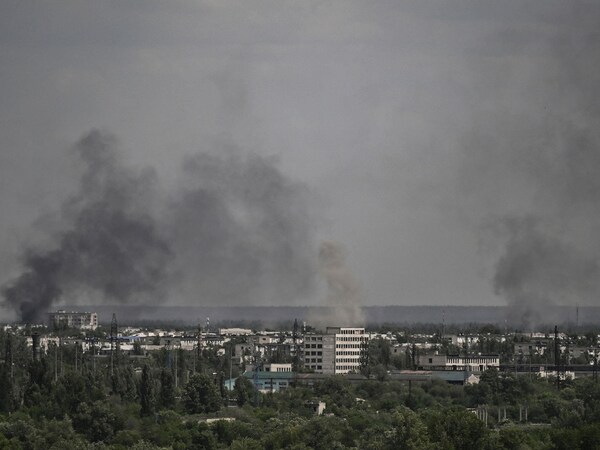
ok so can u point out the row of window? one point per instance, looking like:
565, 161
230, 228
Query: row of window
352, 331
473, 360
351, 339
348, 353
313, 360
313, 353
313, 346
347, 360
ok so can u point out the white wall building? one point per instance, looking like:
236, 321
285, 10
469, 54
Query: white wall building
472, 363
338, 351
278, 368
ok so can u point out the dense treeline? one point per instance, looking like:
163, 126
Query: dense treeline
151, 402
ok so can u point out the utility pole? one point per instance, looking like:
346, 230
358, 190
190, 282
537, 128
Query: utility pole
595, 365
557, 357
94, 354
114, 329
257, 366
231, 354
199, 348
296, 350
176, 377
55, 362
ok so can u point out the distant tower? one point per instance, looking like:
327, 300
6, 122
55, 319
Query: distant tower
114, 331
577, 316
207, 324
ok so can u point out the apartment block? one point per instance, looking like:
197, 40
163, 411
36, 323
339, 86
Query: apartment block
73, 319
338, 351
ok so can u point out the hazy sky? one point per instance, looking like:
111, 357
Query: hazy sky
414, 124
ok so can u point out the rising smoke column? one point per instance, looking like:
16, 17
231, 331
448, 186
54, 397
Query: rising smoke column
344, 294
111, 245
242, 231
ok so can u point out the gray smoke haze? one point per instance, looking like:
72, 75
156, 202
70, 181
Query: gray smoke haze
538, 270
241, 231
237, 233
533, 168
344, 294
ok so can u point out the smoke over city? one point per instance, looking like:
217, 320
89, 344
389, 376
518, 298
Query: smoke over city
236, 232
454, 144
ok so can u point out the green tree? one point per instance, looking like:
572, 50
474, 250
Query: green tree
408, 432
6, 390
456, 428
201, 395
166, 398
243, 389
98, 421
246, 443
146, 392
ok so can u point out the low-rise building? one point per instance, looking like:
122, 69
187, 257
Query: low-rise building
471, 363
277, 367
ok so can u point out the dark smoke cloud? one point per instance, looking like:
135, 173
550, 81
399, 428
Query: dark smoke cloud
533, 166
237, 232
112, 245
538, 270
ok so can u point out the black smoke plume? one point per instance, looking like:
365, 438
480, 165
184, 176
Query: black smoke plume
235, 232
111, 246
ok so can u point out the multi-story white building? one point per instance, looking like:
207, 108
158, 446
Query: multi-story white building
73, 319
338, 351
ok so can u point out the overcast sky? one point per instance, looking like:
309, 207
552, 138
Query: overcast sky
414, 124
